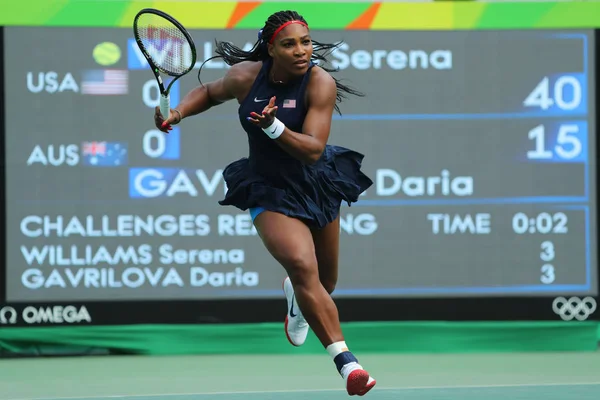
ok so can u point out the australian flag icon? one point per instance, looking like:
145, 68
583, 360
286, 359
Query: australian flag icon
104, 154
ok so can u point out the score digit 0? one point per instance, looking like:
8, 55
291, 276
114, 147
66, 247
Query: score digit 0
154, 143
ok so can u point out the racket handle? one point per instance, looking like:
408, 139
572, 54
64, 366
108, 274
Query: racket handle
165, 107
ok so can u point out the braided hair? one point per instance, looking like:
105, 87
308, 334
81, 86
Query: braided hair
232, 54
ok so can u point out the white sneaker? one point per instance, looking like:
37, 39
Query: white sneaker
358, 381
296, 327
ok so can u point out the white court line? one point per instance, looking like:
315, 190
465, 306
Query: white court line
124, 396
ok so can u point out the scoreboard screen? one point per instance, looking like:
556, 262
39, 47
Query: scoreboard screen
481, 146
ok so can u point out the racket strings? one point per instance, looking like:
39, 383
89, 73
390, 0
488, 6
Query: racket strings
166, 45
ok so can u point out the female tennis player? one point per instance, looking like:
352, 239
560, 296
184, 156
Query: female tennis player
293, 182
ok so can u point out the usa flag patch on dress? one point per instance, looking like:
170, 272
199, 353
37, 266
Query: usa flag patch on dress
289, 103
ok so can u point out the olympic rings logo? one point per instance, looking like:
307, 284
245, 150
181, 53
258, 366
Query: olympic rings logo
577, 308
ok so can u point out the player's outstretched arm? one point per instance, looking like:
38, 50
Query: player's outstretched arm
203, 97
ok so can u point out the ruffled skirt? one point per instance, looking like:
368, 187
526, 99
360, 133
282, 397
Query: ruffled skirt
311, 193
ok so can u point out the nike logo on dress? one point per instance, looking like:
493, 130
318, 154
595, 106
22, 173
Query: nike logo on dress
292, 308
260, 100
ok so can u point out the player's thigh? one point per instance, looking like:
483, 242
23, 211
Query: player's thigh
290, 242
327, 249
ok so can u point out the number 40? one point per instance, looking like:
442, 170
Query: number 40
541, 97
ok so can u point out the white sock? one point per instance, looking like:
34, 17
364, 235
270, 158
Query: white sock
336, 348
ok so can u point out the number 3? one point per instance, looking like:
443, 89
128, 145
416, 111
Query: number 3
547, 253
548, 275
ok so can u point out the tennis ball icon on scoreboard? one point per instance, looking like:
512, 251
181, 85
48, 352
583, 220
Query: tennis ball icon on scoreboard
106, 53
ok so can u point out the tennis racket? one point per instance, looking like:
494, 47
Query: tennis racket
168, 48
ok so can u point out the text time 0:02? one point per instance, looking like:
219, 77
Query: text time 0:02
543, 223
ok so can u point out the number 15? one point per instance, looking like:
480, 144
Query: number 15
568, 145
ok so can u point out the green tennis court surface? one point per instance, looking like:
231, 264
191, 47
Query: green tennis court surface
539, 376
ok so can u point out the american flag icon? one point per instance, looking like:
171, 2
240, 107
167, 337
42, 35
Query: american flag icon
289, 103
104, 82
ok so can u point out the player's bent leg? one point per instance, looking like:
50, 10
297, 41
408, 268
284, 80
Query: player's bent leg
326, 241
295, 325
327, 245
291, 244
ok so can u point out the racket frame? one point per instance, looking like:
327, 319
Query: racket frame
164, 92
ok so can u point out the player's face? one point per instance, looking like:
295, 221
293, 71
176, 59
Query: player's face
291, 50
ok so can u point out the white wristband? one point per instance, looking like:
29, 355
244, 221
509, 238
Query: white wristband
275, 129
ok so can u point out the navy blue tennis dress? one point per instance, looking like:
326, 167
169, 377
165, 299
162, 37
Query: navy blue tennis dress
271, 179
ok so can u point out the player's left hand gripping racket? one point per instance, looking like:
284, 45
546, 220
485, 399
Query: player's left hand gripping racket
167, 46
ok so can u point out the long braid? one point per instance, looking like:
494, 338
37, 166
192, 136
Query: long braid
232, 54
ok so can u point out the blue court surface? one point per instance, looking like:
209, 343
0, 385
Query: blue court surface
540, 376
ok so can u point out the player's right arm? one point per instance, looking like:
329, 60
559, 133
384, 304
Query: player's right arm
236, 81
